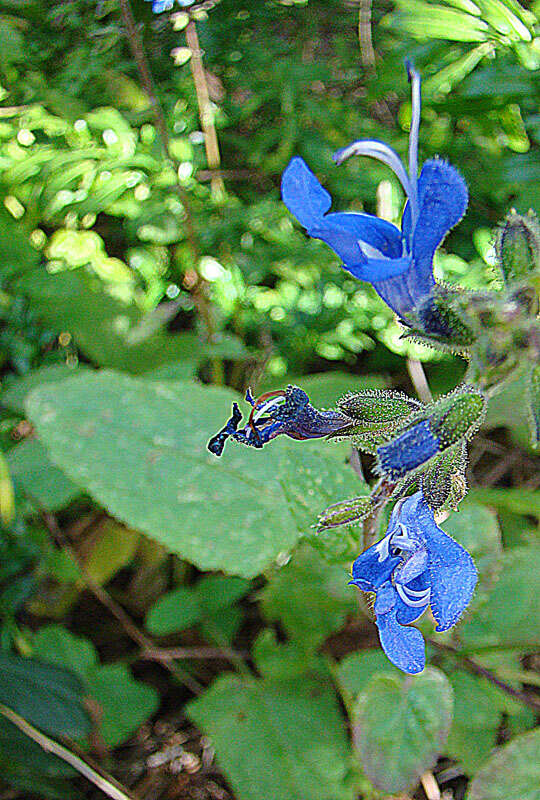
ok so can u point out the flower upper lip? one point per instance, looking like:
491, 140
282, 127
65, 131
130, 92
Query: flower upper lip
399, 263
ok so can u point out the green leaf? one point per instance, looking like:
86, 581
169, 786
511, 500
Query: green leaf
477, 529
107, 330
511, 773
476, 720
174, 611
37, 482
401, 726
188, 605
354, 672
139, 448
56, 645
125, 703
49, 697
521, 501
511, 615
501, 411
309, 597
16, 390
16, 253
280, 661
311, 481
289, 738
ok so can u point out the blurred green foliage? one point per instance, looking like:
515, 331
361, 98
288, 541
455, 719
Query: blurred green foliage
133, 272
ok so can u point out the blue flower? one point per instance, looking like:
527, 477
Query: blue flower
158, 6
398, 263
414, 566
286, 412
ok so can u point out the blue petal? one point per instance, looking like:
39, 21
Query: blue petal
374, 566
375, 270
377, 233
341, 240
303, 194
408, 451
400, 292
442, 201
403, 646
452, 575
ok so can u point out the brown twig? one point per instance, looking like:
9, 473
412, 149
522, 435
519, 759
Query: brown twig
105, 782
472, 666
206, 113
367, 53
130, 628
196, 285
196, 653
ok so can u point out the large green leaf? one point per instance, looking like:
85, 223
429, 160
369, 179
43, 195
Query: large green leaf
401, 726
476, 720
139, 448
36, 481
15, 391
289, 739
311, 481
511, 773
477, 529
511, 615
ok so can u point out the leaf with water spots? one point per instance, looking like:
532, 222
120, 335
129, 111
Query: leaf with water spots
138, 447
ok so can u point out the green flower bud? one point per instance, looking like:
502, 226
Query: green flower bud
443, 483
457, 416
518, 246
377, 408
345, 512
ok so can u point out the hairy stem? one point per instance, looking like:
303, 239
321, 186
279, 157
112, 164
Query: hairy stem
380, 496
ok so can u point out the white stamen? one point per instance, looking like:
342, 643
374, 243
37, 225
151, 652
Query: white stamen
264, 408
382, 152
414, 78
402, 540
